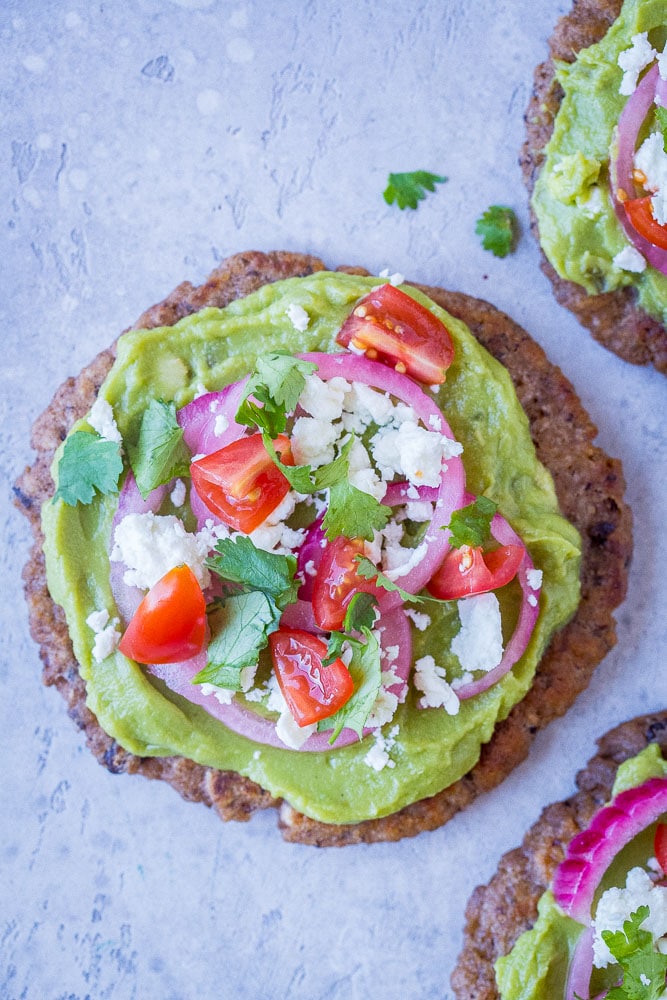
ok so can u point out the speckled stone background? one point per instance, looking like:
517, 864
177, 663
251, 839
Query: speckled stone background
140, 142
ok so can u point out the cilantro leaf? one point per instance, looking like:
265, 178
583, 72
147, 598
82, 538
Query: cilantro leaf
497, 227
89, 464
160, 454
237, 560
354, 513
471, 525
242, 628
275, 385
367, 675
350, 511
661, 118
643, 968
369, 571
408, 189
360, 617
267, 584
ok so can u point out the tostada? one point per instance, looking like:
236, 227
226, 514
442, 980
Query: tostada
595, 164
322, 541
580, 909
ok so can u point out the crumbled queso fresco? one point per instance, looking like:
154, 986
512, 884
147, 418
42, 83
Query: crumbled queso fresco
617, 904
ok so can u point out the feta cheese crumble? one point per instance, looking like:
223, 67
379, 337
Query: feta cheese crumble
430, 679
102, 420
297, 316
479, 643
107, 635
633, 60
616, 905
630, 259
151, 544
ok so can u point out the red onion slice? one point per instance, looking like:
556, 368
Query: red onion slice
200, 418
395, 632
505, 534
622, 165
590, 853
581, 969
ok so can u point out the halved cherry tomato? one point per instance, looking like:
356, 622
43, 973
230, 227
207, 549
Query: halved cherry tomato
337, 582
389, 326
640, 213
311, 690
467, 571
660, 846
170, 623
240, 482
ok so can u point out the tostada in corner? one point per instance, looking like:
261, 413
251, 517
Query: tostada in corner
322, 541
580, 909
595, 164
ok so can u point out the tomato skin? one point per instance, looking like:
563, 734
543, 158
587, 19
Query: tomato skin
311, 690
337, 582
660, 846
391, 327
170, 623
467, 571
640, 213
241, 483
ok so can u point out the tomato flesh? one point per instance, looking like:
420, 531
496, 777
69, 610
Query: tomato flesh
312, 691
640, 213
241, 483
170, 623
389, 326
466, 571
337, 582
660, 846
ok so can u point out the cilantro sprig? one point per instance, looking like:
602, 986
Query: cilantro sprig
89, 465
408, 189
643, 968
273, 391
259, 586
498, 228
160, 454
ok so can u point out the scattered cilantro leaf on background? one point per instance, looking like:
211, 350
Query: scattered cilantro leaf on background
276, 384
643, 968
89, 464
497, 227
408, 189
160, 454
471, 525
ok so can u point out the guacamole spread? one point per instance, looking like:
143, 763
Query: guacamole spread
430, 748
579, 230
537, 966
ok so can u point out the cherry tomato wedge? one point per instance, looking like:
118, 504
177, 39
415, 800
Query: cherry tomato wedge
337, 582
170, 623
660, 846
240, 482
640, 213
312, 691
467, 571
389, 326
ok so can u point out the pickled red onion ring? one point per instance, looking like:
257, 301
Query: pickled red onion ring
590, 853
622, 165
505, 534
199, 419
394, 632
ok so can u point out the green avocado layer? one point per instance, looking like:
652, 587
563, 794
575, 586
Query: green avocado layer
216, 347
579, 231
537, 966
